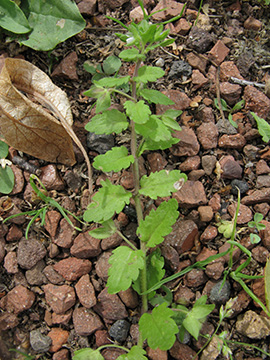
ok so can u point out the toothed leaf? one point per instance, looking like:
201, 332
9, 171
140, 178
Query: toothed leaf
110, 121
137, 111
149, 74
115, 160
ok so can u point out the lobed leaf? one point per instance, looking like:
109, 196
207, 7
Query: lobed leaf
107, 229
111, 64
125, 268
108, 82
137, 111
156, 97
110, 121
115, 160
87, 354
110, 199
131, 55
135, 353
170, 122
162, 183
158, 223
154, 129
149, 144
149, 74
103, 102
159, 328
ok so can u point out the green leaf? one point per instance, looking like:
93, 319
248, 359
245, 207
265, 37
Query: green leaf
135, 353
254, 238
156, 97
226, 228
267, 283
158, 328
149, 74
3, 150
158, 223
107, 229
103, 102
172, 113
232, 122
149, 144
131, 55
161, 183
115, 160
223, 104
6, 180
111, 64
109, 82
125, 268
87, 354
110, 121
154, 129
12, 18
263, 127
137, 111
52, 22
110, 199
238, 106
170, 123
89, 67
95, 91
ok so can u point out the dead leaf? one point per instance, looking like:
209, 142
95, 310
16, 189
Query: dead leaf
31, 107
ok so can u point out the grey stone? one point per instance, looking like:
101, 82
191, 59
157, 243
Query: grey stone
119, 330
39, 342
242, 185
180, 69
100, 143
220, 294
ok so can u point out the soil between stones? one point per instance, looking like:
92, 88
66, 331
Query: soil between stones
59, 275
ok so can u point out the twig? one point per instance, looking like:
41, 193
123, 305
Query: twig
218, 94
245, 82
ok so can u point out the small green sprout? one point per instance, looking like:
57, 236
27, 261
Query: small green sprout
6, 173
230, 111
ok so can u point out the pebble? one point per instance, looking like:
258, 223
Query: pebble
156, 354
230, 92
30, 252
62, 354
129, 297
110, 307
102, 265
209, 233
218, 52
180, 99
198, 79
39, 342
52, 219
228, 69
72, 268
64, 238
10, 262
102, 337
61, 319
18, 300
156, 161
230, 168
242, 185
191, 163
262, 168
87, 7
8, 321
100, 143
206, 213
53, 275
182, 351
265, 234
34, 276
197, 61
173, 8
208, 135
208, 163
257, 196
220, 295
251, 152
183, 295
85, 246
51, 178
232, 141
86, 292
256, 101
252, 24
180, 69
14, 233
160, 62
244, 214
119, 330
195, 278
59, 298
86, 321
188, 144
263, 181
67, 67
192, 194
253, 325
199, 40
260, 254
59, 337
18, 180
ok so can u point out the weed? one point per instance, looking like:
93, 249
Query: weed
263, 127
6, 173
225, 107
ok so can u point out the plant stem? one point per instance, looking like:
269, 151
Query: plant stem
136, 179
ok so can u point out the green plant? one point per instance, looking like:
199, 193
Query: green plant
110, 66
39, 24
6, 173
256, 223
41, 213
225, 107
263, 127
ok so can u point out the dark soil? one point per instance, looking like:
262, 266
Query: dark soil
235, 154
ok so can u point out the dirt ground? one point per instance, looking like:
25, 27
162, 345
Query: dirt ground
231, 38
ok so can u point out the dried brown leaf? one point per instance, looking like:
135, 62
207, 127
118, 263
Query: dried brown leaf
34, 113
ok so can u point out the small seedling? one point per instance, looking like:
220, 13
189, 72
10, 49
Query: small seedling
263, 127
230, 111
41, 213
256, 223
6, 173
110, 67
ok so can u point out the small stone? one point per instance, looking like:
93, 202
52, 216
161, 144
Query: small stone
86, 322
119, 330
188, 144
8, 321
59, 337
182, 352
206, 213
100, 143
110, 307
86, 292
256, 101
263, 181
253, 325
183, 235
156, 161
60, 298
252, 24
14, 233
265, 234
242, 185
240, 303
251, 152
67, 67
102, 337
112, 354
220, 293
183, 295
195, 278
245, 61
214, 202
18, 300
52, 219
102, 265
10, 262
192, 194
87, 7
197, 61
230, 92
171, 256
51, 178
218, 52
18, 180
180, 99
179, 70
30, 252
230, 168
182, 26
244, 214
212, 350
199, 40
262, 168
61, 319
65, 236
191, 163
35, 276
85, 246
160, 62
39, 342
206, 114
257, 196
208, 163
72, 268
260, 254
215, 271
208, 135
53, 275
73, 181
156, 354
232, 141
228, 69
62, 354
129, 297
209, 234
262, 208
225, 127
172, 7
